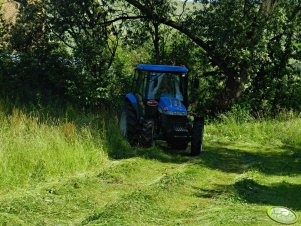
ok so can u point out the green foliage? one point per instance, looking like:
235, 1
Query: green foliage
4, 32
243, 53
32, 68
257, 40
245, 42
36, 78
47, 61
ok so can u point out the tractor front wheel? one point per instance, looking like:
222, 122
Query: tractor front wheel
197, 136
147, 134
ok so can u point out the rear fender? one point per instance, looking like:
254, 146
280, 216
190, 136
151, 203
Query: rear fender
130, 97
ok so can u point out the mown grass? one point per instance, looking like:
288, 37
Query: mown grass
77, 170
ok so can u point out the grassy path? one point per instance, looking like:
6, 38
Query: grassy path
231, 184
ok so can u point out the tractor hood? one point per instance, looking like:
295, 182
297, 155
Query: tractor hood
171, 106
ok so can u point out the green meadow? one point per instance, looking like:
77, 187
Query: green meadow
75, 169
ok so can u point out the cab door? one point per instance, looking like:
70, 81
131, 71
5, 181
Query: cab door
140, 84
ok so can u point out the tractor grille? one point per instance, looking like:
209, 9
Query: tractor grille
180, 128
175, 124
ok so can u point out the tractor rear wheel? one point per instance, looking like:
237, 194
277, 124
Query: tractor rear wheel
147, 134
197, 136
128, 123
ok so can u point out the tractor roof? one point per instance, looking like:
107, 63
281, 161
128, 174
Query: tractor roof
161, 68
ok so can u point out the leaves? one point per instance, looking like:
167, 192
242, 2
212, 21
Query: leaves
242, 51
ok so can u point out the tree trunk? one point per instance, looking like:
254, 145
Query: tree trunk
233, 89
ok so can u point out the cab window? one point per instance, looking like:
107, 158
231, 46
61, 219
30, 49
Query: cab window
140, 80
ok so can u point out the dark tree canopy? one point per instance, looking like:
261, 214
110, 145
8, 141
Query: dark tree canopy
239, 37
243, 51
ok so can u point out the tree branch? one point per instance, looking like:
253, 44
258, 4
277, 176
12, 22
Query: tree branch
215, 59
123, 18
183, 9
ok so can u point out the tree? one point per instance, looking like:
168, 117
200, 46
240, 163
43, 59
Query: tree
88, 36
33, 69
234, 34
239, 48
82, 28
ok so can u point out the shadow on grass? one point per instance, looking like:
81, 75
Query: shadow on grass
119, 148
248, 190
284, 161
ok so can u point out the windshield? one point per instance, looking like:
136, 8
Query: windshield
164, 84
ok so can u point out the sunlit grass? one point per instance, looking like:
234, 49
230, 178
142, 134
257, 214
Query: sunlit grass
76, 169
284, 130
33, 151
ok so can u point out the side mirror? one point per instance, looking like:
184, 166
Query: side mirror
195, 83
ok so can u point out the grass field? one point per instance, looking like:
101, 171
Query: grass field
68, 171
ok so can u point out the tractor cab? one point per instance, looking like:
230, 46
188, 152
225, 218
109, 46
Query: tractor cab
157, 108
151, 83
158, 86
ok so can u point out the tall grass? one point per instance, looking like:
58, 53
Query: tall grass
36, 147
239, 125
34, 150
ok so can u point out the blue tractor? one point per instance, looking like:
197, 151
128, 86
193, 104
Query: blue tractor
156, 109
